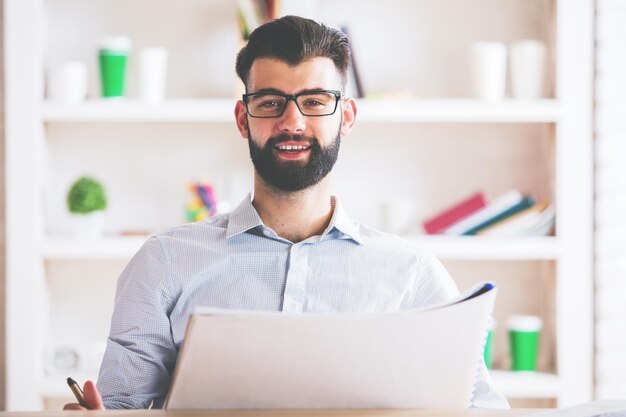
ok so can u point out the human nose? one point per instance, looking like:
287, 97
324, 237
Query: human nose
292, 119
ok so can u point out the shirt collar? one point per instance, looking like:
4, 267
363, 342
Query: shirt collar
342, 222
245, 217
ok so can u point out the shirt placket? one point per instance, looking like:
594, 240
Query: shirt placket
295, 286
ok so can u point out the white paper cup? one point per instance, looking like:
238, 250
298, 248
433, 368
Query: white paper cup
398, 215
489, 70
528, 59
67, 83
152, 74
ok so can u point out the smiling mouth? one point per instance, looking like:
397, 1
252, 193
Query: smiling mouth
292, 148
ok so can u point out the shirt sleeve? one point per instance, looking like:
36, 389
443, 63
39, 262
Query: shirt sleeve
434, 285
141, 352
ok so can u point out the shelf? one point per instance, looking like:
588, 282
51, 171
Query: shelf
511, 384
444, 247
526, 384
486, 248
458, 111
122, 110
67, 248
371, 110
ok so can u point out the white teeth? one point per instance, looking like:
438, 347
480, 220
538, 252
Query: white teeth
292, 147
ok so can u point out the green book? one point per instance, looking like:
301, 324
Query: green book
527, 202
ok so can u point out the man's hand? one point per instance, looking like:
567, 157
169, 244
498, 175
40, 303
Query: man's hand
91, 396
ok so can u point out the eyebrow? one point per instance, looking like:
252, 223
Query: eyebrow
277, 91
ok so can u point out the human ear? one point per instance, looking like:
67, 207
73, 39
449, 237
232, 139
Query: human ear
241, 117
349, 116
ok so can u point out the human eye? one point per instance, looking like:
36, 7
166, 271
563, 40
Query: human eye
316, 100
266, 103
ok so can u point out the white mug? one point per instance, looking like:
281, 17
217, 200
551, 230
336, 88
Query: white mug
528, 59
67, 83
489, 70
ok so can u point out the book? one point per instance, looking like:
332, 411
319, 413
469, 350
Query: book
354, 69
524, 223
526, 202
455, 213
492, 209
420, 358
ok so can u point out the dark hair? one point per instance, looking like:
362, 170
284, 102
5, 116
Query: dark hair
294, 39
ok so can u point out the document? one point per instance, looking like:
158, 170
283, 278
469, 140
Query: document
425, 358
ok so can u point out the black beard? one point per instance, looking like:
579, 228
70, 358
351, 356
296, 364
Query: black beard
292, 176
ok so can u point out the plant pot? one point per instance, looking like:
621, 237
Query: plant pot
89, 226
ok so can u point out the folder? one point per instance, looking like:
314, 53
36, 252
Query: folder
426, 358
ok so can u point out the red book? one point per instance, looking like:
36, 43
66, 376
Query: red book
452, 215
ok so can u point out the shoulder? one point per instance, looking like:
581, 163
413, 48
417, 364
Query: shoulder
212, 228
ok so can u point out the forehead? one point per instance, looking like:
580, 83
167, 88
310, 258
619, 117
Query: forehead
310, 74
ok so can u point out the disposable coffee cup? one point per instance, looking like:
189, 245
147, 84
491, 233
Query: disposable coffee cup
489, 61
524, 334
113, 59
152, 74
527, 59
488, 352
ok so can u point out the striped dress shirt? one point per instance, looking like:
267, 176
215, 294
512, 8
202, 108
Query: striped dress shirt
234, 261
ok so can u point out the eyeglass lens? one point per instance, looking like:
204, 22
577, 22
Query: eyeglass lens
270, 105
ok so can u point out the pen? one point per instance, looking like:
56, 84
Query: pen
78, 393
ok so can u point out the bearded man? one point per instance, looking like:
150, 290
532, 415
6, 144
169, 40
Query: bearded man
289, 246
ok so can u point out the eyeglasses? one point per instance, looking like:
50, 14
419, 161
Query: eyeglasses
311, 103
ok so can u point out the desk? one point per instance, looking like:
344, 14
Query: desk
282, 413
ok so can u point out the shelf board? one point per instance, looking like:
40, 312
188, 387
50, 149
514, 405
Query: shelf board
510, 384
369, 110
68, 248
444, 247
458, 111
123, 110
526, 384
489, 248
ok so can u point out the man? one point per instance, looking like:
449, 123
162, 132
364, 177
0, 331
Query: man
289, 246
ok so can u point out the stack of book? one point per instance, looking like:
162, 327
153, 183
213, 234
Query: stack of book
511, 214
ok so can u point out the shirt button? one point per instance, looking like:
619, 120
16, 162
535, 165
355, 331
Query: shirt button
267, 232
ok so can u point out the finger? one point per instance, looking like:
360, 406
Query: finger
73, 406
92, 396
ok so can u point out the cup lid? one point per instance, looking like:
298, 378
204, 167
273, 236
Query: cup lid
523, 323
115, 43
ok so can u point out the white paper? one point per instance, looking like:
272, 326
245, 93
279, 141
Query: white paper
269, 360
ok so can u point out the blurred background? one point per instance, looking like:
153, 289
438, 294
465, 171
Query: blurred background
488, 131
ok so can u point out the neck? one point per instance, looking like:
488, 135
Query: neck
295, 216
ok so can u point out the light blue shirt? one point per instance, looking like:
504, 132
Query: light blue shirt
234, 261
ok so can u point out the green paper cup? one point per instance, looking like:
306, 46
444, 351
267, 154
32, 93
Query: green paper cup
524, 342
489, 343
112, 59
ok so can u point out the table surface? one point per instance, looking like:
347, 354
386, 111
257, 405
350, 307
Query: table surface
287, 413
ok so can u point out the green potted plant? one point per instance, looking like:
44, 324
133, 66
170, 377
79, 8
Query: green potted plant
86, 200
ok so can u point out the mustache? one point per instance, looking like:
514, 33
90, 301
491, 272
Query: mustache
284, 137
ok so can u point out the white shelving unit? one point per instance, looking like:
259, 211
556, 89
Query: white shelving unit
542, 147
